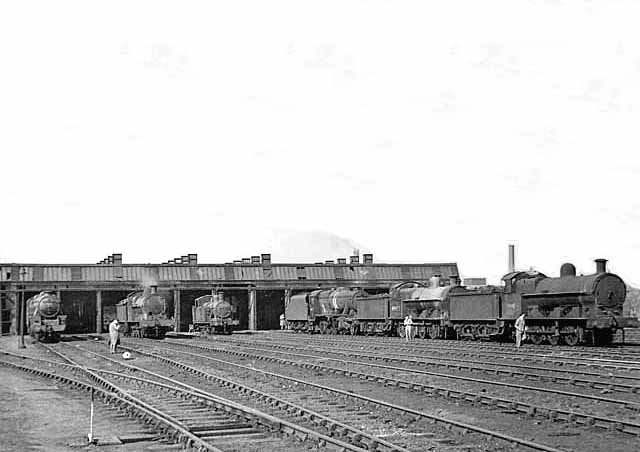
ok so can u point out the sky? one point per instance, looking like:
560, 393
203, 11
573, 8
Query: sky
417, 131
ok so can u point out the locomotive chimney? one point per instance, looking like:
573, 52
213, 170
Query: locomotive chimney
435, 281
153, 289
355, 259
601, 265
512, 258
368, 258
454, 280
567, 270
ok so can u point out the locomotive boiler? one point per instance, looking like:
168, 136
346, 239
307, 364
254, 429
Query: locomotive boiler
214, 314
326, 311
45, 320
144, 314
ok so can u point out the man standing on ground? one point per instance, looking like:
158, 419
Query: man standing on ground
114, 335
283, 322
408, 326
520, 329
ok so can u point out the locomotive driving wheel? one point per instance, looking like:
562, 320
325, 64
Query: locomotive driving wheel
536, 339
554, 339
570, 339
400, 330
323, 326
422, 332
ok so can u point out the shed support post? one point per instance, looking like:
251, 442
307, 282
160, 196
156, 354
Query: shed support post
253, 311
98, 311
287, 297
176, 310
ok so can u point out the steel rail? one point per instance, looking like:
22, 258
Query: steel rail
437, 419
635, 405
474, 350
187, 436
475, 398
474, 345
320, 418
621, 387
169, 429
453, 343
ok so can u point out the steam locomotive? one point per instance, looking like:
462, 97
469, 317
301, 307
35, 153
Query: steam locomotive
144, 314
570, 309
45, 321
214, 314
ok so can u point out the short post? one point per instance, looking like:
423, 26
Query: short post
90, 435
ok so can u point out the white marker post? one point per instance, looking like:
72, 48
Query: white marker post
91, 421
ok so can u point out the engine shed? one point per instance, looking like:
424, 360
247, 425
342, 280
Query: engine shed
258, 287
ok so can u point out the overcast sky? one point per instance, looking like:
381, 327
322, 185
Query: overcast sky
419, 131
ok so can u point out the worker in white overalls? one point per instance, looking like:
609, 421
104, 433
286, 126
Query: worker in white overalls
408, 327
520, 327
114, 335
283, 322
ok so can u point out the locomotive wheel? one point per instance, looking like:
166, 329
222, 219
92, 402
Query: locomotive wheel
323, 327
400, 330
536, 339
422, 332
553, 339
354, 330
570, 339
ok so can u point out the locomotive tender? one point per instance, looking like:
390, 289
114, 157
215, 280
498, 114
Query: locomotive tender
144, 314
214, 314
569, 308
45, 320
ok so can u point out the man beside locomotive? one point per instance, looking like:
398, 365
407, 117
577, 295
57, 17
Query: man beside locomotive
408, 327
114, 335
283, 322
520, 327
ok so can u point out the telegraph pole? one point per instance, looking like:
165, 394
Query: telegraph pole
22, 311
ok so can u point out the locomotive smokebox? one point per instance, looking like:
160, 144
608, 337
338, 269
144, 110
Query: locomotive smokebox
567, 270
601, 265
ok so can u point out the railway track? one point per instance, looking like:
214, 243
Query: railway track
500, 407
612, 353
557, 376
192, 418
519, 395
475, 351
314, 393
